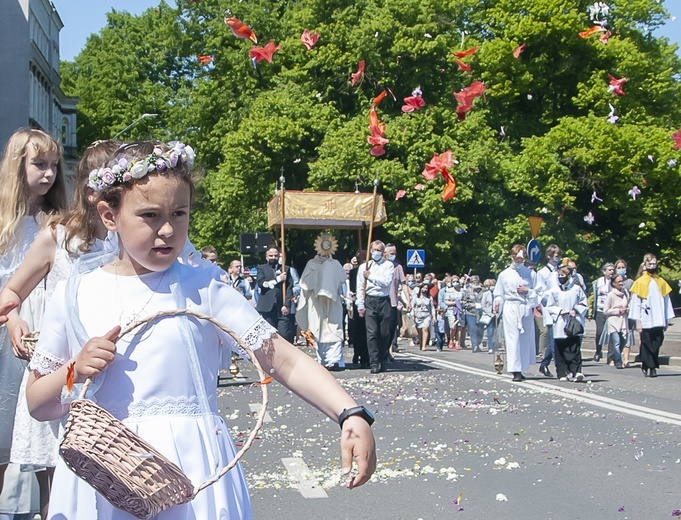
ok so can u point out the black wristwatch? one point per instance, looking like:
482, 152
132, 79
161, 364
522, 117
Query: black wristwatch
357, 410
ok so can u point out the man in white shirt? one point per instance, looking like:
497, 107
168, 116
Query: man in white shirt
374, 279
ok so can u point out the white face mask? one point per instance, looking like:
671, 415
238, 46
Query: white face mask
376, 256
517, 265
391, 258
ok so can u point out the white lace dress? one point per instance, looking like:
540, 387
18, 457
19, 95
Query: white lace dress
34, 443
16, 496
150, 385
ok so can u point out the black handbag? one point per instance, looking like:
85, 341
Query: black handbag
573, 327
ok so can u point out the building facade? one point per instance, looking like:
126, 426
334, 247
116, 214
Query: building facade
30, 92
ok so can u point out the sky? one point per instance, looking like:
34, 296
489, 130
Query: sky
84, 17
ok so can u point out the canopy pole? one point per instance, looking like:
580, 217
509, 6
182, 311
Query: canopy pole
371, 230
282, 192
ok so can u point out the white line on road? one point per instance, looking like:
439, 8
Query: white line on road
255, 408
301, 473
541, 386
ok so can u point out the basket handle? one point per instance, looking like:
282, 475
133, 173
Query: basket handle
261, 373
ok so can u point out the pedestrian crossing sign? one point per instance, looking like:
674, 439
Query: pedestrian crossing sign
416, 258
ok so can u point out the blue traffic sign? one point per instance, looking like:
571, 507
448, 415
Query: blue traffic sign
416, 257
533, 251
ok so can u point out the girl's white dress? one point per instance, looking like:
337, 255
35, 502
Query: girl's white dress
16, 496
150, 385
34, 443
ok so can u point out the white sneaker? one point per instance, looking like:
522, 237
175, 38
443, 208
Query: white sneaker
579, 377
567, 378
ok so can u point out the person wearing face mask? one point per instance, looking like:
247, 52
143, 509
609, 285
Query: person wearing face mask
560, 303
601, 288
399, 292
424, 313
652, 309
450, 300
616, 304
472, 306
516, 294
577, 278
273, 305
621, 270
374, 279
548, 278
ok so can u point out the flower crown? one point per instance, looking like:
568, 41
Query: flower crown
124, 170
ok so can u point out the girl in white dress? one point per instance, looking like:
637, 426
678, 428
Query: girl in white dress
516, 293
31, 186
49, 259
162, 381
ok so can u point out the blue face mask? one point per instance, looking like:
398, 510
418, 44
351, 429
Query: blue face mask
376, 256
391, 258
621, 272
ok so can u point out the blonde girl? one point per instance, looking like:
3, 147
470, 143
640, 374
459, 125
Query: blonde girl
32, 187
162, 383
50, 258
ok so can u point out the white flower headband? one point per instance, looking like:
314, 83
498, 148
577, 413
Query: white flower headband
124, 169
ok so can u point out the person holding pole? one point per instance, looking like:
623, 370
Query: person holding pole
272, 305
374, 280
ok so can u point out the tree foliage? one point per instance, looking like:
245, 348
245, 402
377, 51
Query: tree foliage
538, 143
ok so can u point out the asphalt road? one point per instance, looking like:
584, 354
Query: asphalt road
447, 425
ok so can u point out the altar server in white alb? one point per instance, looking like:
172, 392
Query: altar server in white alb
516, 293
320, 305
652, 309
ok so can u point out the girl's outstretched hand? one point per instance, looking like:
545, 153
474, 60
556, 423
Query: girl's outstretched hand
96, 355
357, 442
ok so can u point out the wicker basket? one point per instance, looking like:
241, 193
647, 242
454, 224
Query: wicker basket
29, 341
124, 468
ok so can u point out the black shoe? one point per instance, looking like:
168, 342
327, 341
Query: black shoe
355, 360
335, 368
382, 367
545, 370
518, 376
364, 364
653, 372
645, 371
597, 358
375, 369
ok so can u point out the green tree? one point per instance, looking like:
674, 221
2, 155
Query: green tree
538, 142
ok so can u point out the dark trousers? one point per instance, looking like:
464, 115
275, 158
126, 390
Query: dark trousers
359, 339
600, 325
394, 326
651, 341
568, 356
280, 322
377, 316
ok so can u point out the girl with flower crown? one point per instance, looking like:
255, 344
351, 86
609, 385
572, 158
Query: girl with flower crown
50, 257
33, 187
161, 383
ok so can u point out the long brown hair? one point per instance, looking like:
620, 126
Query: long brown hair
14, 195
81, 220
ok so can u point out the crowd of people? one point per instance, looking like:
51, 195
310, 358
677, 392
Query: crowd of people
78, 273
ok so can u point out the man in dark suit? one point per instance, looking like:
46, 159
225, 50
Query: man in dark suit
272, 305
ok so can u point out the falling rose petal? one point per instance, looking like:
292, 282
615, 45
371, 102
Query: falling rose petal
590, 31
463, 67
594, 197
419, 186
502, 132
460, 231
359, 74
449, 191
240, 29
676, 137
400, 194
612, 118
463, 54
205, 60
518, 50
264, 53
616, 85
642, 225
530, 96
589, 218
634, 192
651, 158
671, 163
309, 39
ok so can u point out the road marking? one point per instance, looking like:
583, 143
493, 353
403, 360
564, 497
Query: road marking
548, 388
255, 408
299, 471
